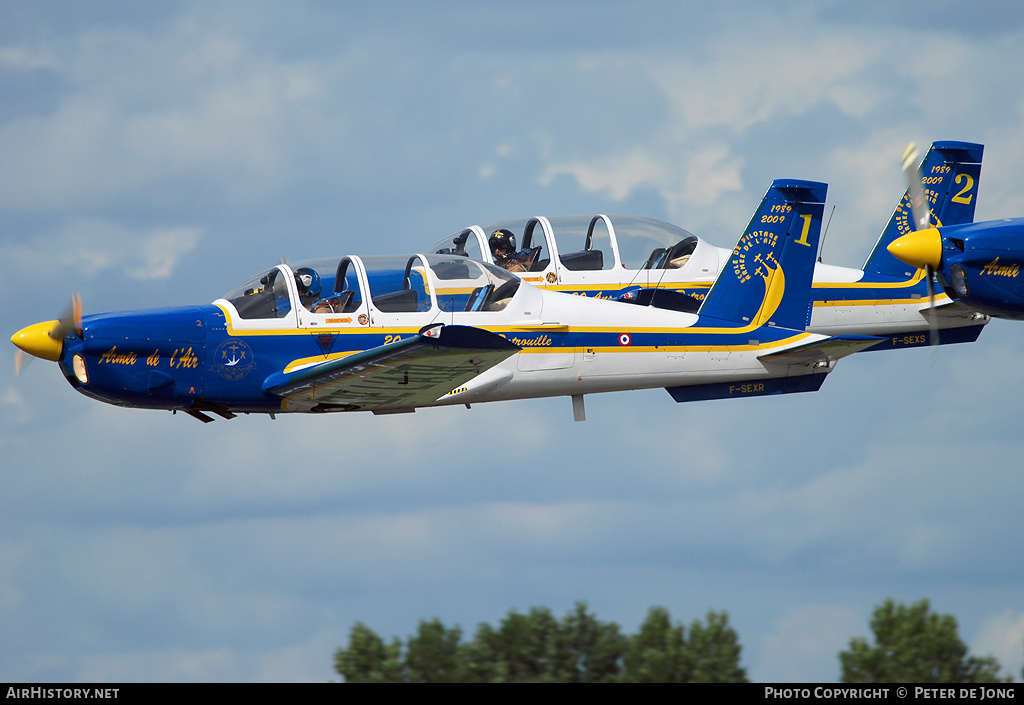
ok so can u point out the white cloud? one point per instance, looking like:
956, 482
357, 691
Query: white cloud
161, 665
187, 103
26, 59
700, 180
16, 408
12, 557
618, 176
306, 661
710, 173
874, 166
805, 644
160, 251
1002, 636
90, 247
309, 661
737, 83
743, 80
770, 82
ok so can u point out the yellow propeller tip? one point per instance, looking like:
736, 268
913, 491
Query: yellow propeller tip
36, 341
910, 156
920, 249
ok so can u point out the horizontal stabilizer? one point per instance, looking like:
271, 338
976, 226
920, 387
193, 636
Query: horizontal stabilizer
823, 351
917, 339
411, 372
752, 388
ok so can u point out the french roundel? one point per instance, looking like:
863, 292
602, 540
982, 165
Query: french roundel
624, 339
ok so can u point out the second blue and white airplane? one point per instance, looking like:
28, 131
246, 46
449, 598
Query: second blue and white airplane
654, 263
977, 264
392, 334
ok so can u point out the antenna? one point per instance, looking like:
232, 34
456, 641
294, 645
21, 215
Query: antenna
821, 245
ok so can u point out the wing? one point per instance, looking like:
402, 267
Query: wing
399, 376
822, 353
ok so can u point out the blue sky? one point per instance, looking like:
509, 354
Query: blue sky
158, 155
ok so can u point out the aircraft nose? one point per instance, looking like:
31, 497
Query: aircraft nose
918, 249
36, 341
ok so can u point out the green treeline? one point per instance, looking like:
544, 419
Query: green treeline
537, 647
911, 644
914, 645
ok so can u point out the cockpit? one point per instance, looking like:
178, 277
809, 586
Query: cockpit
362, 289
547, 250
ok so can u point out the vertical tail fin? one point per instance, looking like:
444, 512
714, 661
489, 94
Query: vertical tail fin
950, 172
767, 280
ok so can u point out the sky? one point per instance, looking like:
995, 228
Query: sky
158, 154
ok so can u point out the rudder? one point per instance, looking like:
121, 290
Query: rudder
950, 174
778, 247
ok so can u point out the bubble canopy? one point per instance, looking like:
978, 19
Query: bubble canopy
579, 243
376, 284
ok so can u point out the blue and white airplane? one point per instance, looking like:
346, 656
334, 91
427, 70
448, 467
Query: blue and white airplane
391, 334
976, 264
650, 262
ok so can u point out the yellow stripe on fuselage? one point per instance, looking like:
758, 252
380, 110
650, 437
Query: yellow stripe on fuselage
918, 276
940, 300
611, 286
535, 328
507, 329
615, 349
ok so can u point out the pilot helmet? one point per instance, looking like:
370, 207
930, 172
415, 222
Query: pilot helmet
308, 281
502, 239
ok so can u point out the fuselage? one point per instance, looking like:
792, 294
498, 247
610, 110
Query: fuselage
978, 264
218, 356
989, 256
605, 256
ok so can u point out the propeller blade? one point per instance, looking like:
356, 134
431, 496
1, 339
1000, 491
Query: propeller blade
933, 325
70, 321
19, 362
46, 339
915, 191
920, 249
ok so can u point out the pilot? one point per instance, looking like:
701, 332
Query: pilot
503, 250
308, 283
